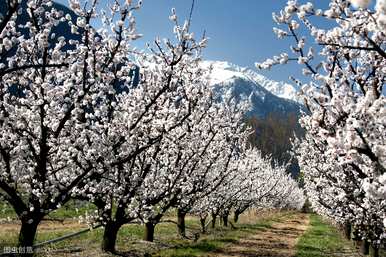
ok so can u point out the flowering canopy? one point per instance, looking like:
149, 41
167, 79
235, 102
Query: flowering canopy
75, 124
343, 154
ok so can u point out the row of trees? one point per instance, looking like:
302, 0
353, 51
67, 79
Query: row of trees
259, 185
343, 155
76, 125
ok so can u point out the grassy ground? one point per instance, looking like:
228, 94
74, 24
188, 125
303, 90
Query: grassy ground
221, 236
323, 239
130, 242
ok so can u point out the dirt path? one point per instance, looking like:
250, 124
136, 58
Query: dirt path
277, 241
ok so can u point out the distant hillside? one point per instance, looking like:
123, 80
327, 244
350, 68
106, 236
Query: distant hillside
272, 135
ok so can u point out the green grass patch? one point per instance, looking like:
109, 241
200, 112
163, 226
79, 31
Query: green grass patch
6, 211
320, 240
73, 209
220, 237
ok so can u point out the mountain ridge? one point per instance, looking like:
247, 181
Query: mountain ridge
223, 70
244, 83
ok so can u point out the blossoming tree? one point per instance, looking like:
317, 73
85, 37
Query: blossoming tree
343, 154
174, 99
56, 97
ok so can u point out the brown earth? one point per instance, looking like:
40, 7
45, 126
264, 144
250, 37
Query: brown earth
278, 241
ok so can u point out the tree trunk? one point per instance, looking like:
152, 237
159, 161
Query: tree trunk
27, 235
202, 222
225, 220
347, 230
181, 222
110, 236
149, 232
214, 216
374, 251
365, 246
236, 216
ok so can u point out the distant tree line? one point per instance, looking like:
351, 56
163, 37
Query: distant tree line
272, 135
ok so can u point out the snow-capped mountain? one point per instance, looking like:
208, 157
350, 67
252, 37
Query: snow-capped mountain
224, 71
267, 96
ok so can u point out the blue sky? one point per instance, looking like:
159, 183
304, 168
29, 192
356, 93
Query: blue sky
240, 31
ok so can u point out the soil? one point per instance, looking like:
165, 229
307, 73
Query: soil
278, 241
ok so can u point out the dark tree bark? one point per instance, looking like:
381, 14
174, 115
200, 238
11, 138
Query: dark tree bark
365, 247
214, 216
110, 236
225, 220
203, 227
27, 233
347, 230
374, 251
236, 216
181, 222
149, 232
